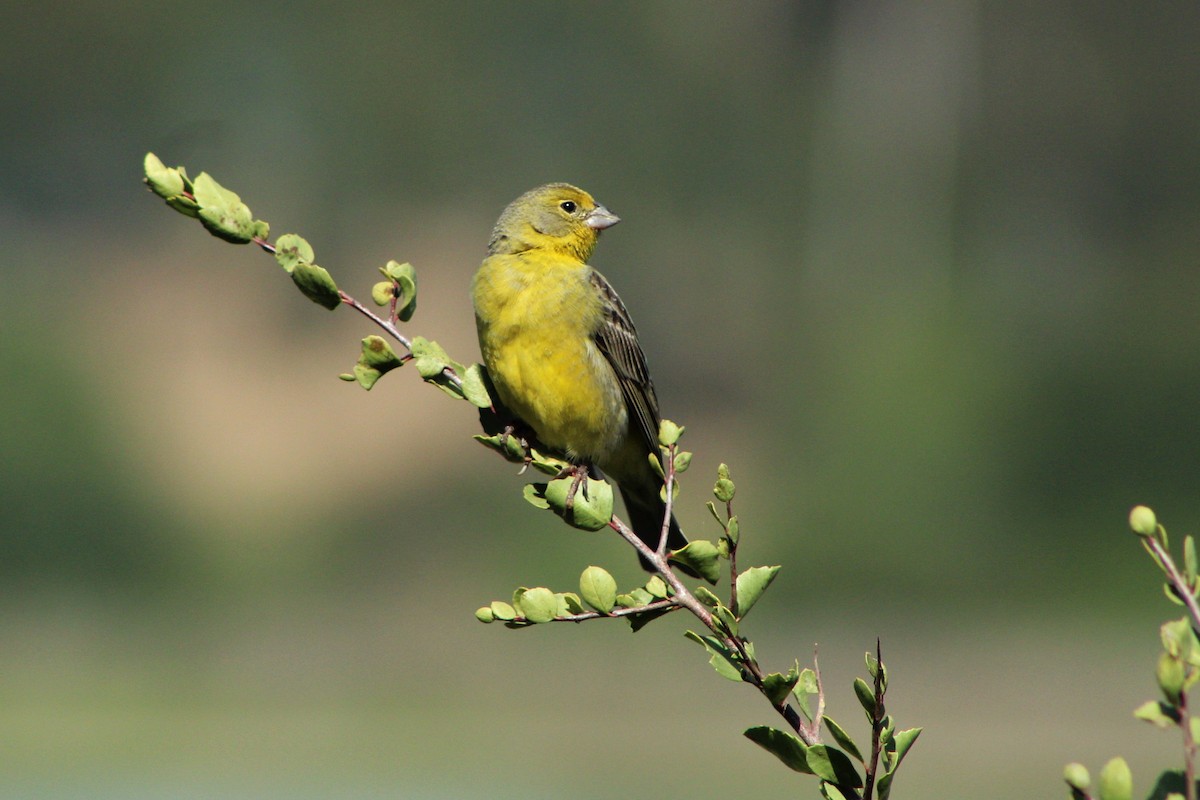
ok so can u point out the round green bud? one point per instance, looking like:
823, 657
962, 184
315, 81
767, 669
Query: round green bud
1171, 675
1116, 781
1142, 521
1077, 777
383, 293
485, 614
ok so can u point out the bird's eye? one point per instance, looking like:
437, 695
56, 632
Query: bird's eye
567, 206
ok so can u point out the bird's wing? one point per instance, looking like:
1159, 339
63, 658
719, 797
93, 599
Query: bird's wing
618, 341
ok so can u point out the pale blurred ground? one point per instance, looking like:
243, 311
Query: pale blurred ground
924, 275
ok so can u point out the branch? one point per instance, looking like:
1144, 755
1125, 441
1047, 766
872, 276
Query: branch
1178, 582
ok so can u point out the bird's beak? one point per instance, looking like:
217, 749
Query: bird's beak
601, 218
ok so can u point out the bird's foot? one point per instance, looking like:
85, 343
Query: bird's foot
510, 430
578, 474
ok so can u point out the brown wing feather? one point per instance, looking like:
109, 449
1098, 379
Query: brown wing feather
618, 340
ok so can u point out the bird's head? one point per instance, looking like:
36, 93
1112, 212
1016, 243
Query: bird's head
557, 216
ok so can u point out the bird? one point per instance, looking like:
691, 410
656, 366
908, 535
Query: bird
562, 352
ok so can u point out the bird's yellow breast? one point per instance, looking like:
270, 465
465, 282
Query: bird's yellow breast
537, 314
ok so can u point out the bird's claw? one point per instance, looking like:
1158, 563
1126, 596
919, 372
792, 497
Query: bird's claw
510, 430
578, 473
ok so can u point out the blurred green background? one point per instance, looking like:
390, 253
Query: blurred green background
924, 275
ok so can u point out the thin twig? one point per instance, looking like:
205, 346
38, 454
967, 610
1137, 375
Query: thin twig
876, 723
669, 482
815, 728
1189, 747
1184, 592
388, 327
733, 570
682, 596
658, 605
1181, 588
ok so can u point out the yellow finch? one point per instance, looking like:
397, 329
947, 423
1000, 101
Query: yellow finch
562, 351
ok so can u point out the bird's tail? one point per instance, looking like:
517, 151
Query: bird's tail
646, 511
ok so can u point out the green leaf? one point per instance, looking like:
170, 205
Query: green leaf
724, 488
162, 180
641, 597
376, 359
750, 586
669, 433
547, 463
405, 278
1171, 675
705, 596
723, 660
777, 686
508, 446
222, 212
535, 494
888, 726
831, 764
591, 508
657, 587
211, 194
234, 226
877, 669
701, 557
831, 792
573, 602
904, 741
712, 509
290, 250
502, 610
731, 530
725, 618
538, 604
783, 745
1189, 560
474, 388
1171, 594
1158, 714
564, 602
1179, 639
431, 357
432, 361
842, 738
683, 459
185, 206
808, 681
598, 589
656, 465
866, 696
485, 615
317, 285
1116, 781
805, 688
